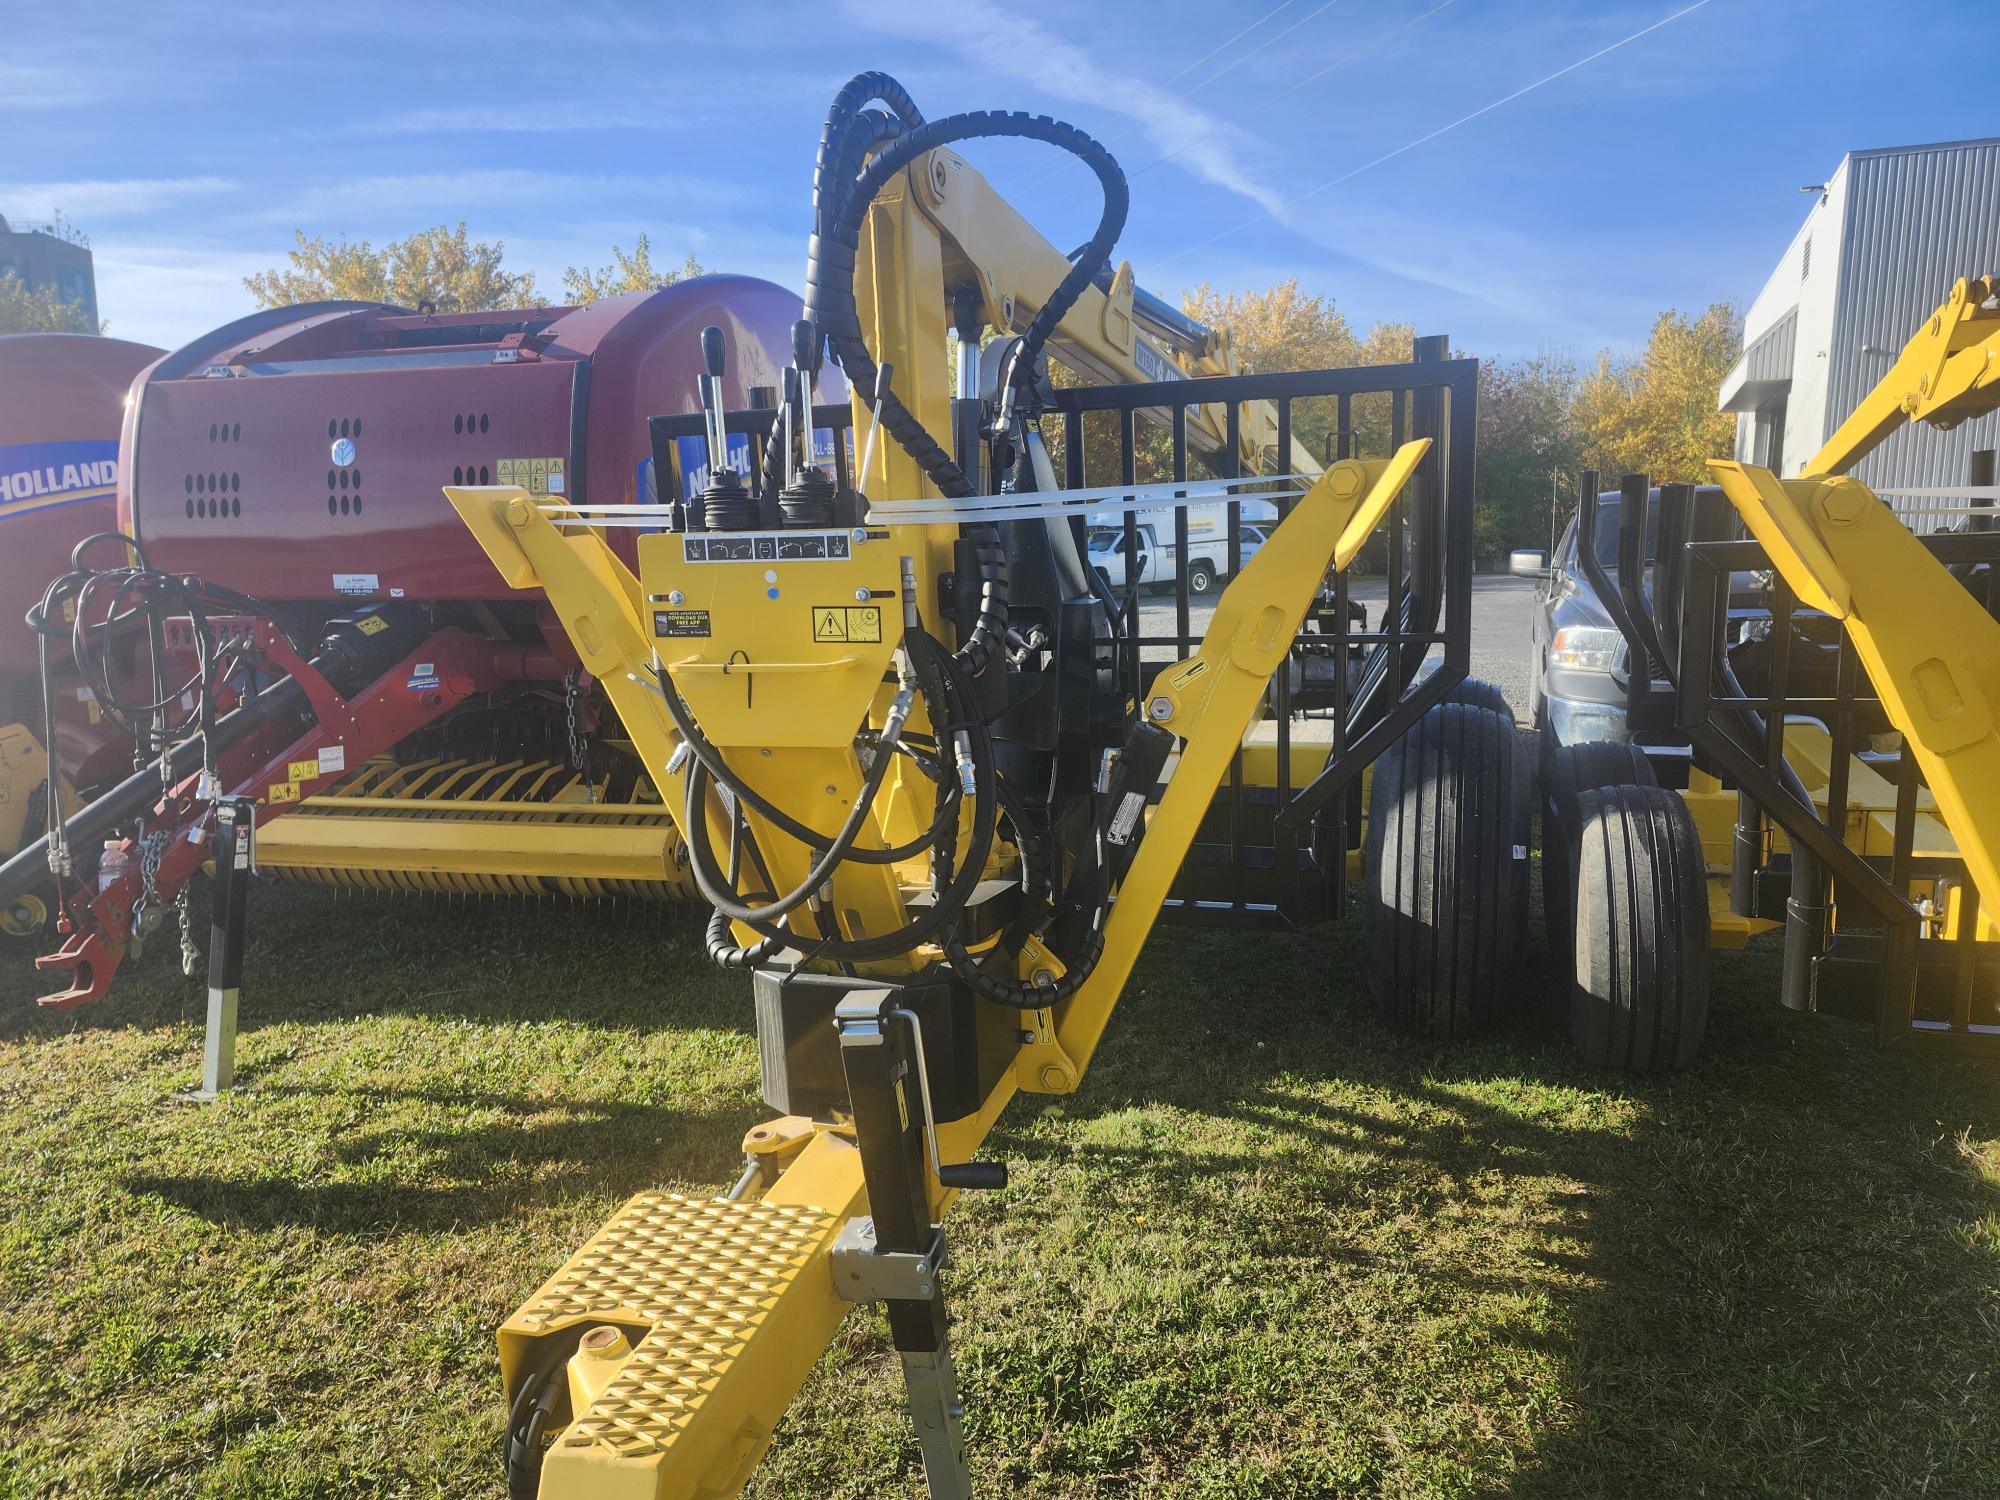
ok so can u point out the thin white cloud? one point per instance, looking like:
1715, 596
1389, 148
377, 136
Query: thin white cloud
531, 118
87, 201
43, 85
167, 294
1004, 42
484, 196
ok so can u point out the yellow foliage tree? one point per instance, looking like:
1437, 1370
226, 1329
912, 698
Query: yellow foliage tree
441, 268
626, 273
1656, 415
24, 309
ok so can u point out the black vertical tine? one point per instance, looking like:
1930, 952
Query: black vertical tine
1670, 572
1128, 474
1184, 635
1965, 950
1898, 1014
1635, 499
1784, 605
1398, 578
1343, 426
1902, 976
1073, 450
1847, 673
1234, 437
1284, 452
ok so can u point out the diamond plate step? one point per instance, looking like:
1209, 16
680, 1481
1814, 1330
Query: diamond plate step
706, 1276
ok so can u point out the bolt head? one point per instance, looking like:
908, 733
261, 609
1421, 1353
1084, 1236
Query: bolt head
859, 536
1345, 481
1841, 504
861, 596
1053, 1078
1160, 709
675, 596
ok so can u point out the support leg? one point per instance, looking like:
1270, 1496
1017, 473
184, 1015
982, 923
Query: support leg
235, 820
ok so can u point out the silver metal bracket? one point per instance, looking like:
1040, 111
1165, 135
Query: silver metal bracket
862, 1273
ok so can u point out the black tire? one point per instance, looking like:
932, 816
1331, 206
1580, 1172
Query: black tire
1201, 576
1480, 695
1446, 872
1639, 998
1568, 771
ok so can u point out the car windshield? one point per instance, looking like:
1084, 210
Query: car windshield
1607, 532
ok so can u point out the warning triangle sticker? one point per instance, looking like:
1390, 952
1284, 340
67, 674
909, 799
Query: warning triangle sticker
829, 625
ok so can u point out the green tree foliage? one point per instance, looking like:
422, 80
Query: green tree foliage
440, 267
1528, 449
626, 273
26, 310
1656, 414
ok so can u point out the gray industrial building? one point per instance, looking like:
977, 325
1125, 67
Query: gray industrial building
1887, 235
51, 255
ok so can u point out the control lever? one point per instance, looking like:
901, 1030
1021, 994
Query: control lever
868, 449
805, 367
713, 353
965, 1174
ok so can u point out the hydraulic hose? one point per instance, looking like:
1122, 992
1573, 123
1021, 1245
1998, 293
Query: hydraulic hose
701, 856
831, 307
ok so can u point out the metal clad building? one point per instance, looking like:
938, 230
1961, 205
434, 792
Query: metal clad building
1889, 234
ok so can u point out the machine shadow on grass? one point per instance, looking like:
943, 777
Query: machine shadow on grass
587, 1148
312, 956
1772, 1272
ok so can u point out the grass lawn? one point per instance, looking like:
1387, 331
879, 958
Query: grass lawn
1270, 1249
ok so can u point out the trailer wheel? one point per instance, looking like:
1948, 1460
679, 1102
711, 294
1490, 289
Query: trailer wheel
1201, 576
1446, 872
1567, 772
1639, 999
1480, 695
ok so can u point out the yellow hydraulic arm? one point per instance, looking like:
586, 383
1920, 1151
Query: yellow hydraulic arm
706, 1315
1931, 651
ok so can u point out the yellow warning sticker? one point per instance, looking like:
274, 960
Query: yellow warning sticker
371, 624
538, 476
1188, 673
303, 770
847, 622
284, 791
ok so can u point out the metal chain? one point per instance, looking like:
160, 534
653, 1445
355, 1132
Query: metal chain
190, 955
579, 739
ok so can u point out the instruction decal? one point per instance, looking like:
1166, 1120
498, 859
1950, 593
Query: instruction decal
847, 623
681, 622
284, 791
363, 584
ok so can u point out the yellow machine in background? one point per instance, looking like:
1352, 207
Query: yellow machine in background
929, 823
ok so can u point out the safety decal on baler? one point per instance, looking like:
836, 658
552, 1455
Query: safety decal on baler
847, 622
538, 476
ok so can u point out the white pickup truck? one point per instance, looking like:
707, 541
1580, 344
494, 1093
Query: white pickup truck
1157, 562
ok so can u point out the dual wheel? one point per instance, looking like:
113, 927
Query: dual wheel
1446, 899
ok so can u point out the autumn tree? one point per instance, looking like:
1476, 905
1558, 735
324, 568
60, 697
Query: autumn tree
626, 273
1656, 414
1528, 451
441, 268
24, 309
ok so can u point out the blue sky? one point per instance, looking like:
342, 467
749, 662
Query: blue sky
189, 142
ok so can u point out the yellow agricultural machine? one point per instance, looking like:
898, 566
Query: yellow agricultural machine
938, 783
1836, 676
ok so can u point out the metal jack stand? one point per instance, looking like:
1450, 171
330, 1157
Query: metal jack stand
895, 1256
235, 831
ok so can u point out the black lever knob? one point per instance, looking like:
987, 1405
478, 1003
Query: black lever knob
712, 350
974, 1175
805, 345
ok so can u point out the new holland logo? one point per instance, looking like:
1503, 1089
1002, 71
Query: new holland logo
344, 452
52, 473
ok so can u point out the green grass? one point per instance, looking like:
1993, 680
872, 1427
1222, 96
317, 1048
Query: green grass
1270, 1249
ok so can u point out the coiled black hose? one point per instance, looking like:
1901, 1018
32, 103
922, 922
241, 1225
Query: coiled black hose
841, 203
